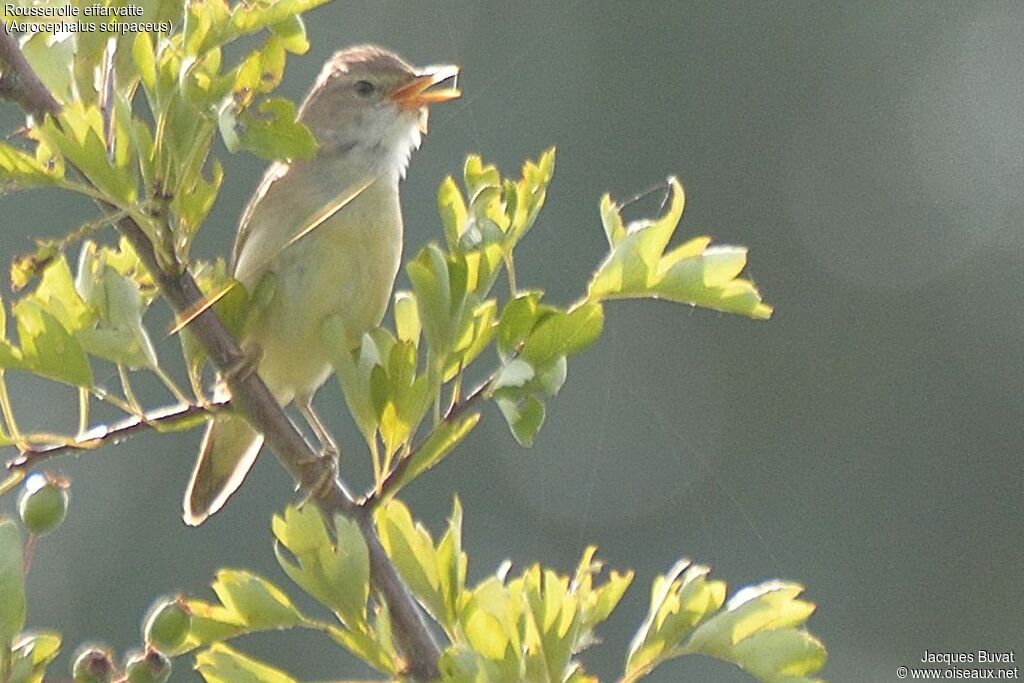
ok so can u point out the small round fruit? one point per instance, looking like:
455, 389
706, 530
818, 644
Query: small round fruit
93, 664
168, 624
151, 666
43, 503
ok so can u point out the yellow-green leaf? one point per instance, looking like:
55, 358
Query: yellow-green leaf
12, 581
258, 603
224, 664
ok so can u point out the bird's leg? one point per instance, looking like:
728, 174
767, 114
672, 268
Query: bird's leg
328, 447
329, 450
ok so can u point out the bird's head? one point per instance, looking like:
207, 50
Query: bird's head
370, 103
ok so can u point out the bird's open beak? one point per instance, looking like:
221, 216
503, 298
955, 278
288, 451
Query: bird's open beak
418, 93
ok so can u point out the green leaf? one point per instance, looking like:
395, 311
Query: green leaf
407, 317
249, 18
412, 551
543, 337
336, 574
206, 26
52, 60
21, 170
210, 624
10, 356
709, 281
400, 397
516, 373
517, 321
442, 440
440, 287
483, 265
780, 655
479, 177
452, 208
556, 616
258, 603
260, 72
12, 582
196, 197
478, 330
614, 230
144, 57
523, 412
551, 377
758, 630
680, 600
452, 564
564, 333
78, 134
489, 620
27, 267
693, 273
58, 295
292, 32
597, 604
274, 133
119, 302
768, 606
48, 349
367, 647
530, 193
223, 664
31, 653
354, 374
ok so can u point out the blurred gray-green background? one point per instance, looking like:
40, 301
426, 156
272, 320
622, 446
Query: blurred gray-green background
866, 441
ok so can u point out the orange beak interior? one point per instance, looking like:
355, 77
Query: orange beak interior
418, 92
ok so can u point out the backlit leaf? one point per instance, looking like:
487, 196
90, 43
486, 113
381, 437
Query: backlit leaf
224, 664
258, 603
12, 581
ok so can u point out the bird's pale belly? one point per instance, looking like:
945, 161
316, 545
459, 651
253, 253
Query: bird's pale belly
339, 269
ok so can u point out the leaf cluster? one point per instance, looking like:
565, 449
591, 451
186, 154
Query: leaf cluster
531, 626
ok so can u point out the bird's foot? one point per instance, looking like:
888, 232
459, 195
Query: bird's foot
327, 475
246, 366
328, 452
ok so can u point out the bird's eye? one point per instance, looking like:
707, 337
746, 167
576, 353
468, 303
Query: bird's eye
364, 88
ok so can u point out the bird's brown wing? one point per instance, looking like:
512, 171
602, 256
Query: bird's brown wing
273, 174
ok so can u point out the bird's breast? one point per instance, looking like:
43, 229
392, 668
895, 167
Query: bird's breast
345, 266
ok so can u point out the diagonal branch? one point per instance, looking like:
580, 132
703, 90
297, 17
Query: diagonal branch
251, 397
20, 83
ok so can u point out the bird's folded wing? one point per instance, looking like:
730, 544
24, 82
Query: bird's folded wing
267, 235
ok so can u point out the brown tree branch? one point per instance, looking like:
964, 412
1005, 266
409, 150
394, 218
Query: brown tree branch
21, 85
252, 398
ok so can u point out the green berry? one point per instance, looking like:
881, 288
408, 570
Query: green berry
43, 503
151, 666
167, 624
94, 664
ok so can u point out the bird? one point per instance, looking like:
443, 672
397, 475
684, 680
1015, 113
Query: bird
320, 238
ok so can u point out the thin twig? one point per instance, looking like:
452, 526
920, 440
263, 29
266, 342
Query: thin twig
32, 456
252, 398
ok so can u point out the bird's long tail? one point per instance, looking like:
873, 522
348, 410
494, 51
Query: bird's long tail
229, 449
